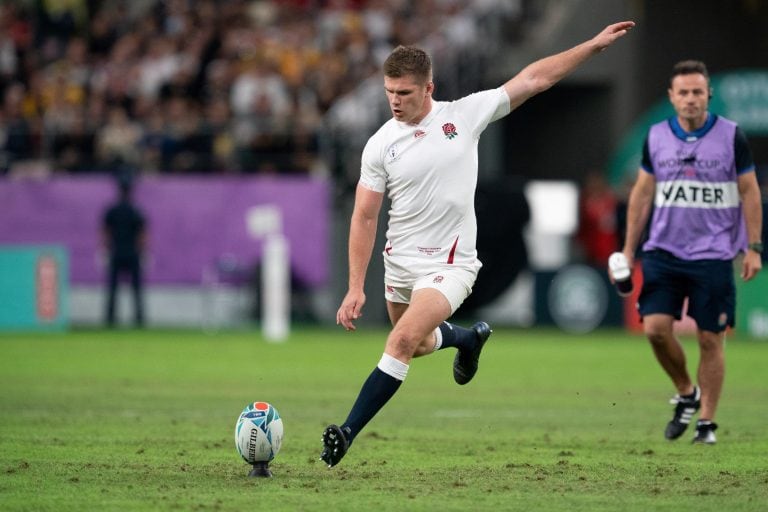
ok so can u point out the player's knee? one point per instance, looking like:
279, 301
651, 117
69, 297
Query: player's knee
402, 344
710, 342
658, 329
426, 347
658, 337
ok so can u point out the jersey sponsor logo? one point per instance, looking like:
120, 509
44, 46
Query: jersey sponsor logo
449, 129
419, 134
697, 194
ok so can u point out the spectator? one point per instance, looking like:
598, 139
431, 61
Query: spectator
597, 234
281, 65
16, 134
116, 143
73, 150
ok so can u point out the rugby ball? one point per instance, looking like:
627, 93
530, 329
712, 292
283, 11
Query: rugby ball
258, 433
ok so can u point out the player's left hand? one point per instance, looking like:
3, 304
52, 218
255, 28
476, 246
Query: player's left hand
751, 265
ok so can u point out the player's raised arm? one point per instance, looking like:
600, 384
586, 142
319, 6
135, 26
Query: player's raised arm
544, 73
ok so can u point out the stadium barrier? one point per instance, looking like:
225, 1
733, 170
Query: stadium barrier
192, 221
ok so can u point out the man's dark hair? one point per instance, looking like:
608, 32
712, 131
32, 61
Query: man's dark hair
408, 60
689, 67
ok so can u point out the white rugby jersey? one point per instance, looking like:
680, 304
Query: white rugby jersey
430, 173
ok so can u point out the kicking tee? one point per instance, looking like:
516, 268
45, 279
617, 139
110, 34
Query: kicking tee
697, 208
430, 173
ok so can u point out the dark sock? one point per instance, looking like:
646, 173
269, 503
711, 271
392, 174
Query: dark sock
455, 336
690, 396
376, 391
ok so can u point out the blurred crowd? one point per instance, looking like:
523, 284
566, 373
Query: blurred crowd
179, 86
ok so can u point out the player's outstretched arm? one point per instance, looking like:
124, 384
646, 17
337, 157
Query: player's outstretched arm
543, 74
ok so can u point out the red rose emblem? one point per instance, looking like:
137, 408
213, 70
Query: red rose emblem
449, 130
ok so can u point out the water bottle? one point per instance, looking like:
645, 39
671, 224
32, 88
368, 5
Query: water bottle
621, 273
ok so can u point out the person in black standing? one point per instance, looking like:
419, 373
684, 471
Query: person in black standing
124, 237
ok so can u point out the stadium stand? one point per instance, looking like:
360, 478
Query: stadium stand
199, 86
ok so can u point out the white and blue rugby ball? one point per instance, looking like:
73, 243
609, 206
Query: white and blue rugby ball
258, 433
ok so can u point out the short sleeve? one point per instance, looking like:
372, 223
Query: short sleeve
742, 153
482, 108
373, 176
646, 163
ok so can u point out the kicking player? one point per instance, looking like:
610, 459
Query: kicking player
426, 159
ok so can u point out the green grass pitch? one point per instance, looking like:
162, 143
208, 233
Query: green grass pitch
144, 420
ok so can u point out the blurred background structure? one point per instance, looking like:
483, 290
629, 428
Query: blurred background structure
214, 108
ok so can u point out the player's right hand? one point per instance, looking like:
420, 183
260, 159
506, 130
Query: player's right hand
351, 309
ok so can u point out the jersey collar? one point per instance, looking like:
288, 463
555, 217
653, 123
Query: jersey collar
695, 135
436, 107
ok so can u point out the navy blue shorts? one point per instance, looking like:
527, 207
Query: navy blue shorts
708, 284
